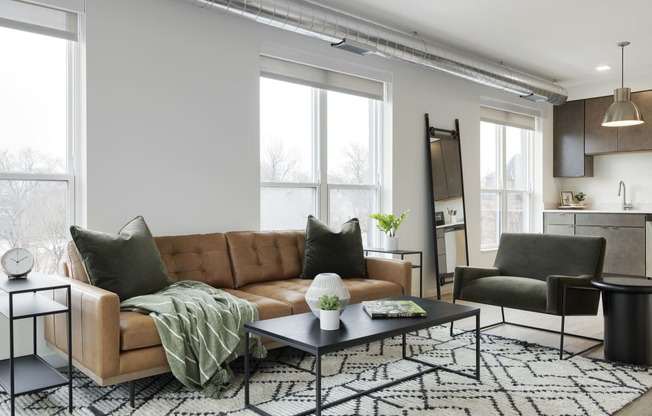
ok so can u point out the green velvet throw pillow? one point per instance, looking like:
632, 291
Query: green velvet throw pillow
128, 263
330, 251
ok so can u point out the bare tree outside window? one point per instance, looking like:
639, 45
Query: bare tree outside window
279, 163
354, 165
37, 81
317, 155
33, 212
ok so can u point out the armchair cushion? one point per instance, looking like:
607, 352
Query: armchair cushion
464, 274
508, 291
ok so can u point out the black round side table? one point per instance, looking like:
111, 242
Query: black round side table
627, 308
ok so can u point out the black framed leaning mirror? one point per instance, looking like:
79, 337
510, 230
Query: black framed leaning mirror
447, 205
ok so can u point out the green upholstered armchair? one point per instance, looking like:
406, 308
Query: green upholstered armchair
546, 273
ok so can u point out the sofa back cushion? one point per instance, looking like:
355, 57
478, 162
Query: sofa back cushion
263, 256
202, 257
333, 251
127, 263
541, 255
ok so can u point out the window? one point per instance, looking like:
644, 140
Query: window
506, 174
37, 103
319, 146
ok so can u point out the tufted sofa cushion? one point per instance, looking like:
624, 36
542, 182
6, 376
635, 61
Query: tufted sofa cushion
201, 257
263, 256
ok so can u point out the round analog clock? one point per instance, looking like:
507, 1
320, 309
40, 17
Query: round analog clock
17, 262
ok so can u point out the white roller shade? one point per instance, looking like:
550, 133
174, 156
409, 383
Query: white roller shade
320, 78
507, 118
56, 18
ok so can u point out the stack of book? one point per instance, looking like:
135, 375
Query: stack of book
393, 309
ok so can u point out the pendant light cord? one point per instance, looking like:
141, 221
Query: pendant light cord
622, 62
622, 66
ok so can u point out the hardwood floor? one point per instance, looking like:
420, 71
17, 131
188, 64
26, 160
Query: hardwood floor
591, 326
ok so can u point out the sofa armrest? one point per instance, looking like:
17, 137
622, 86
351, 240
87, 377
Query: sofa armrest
95, 328
582, 301
391, 270
466, 274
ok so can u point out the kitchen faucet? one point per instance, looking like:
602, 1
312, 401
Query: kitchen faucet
621, 186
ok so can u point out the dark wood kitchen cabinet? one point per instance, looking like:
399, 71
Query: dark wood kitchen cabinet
603, 140
578, 134
598, 139
569, 156
637, 138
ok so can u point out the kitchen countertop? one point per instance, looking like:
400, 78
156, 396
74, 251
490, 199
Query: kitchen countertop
597, 211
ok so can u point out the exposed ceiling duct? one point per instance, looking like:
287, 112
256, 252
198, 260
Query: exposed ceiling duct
360, 36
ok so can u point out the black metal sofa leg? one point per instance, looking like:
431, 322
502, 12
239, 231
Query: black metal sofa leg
452, 321
561, 338
132, 393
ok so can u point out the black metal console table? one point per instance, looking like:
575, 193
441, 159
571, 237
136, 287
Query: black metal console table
404, 253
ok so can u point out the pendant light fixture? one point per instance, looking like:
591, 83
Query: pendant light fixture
623, 111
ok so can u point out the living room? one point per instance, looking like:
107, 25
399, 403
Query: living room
188, 99
171, 125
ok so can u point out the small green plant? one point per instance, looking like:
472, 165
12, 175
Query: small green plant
580, 196
329, 303
388, 223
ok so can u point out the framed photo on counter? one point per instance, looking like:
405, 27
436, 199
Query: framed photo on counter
567, 198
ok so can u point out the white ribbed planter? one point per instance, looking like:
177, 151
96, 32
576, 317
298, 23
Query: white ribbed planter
329, 320
326, 284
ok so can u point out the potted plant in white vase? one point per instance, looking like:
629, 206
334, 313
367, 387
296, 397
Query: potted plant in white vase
580, 197
389, 223
329, 312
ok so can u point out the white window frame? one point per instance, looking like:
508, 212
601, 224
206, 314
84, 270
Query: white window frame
501, 190
319, 139
75, 124
320, 186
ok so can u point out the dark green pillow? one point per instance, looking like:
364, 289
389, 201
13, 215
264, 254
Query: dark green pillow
330, 251
128, 263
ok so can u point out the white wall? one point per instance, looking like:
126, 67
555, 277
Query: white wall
172, 128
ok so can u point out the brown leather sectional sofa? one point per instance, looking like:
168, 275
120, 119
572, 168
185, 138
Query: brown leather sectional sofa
263, 267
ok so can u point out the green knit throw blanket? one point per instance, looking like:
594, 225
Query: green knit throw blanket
201, 329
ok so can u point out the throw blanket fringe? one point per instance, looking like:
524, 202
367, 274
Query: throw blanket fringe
201, 329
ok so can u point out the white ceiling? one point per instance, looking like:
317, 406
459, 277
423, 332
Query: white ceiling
561, 40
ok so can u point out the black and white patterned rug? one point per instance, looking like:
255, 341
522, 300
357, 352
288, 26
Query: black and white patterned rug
517, 378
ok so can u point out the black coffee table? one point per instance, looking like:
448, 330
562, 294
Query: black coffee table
356, 328
626, 305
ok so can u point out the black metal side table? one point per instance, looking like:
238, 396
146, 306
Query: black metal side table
30, 373
626, 304
404, 253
